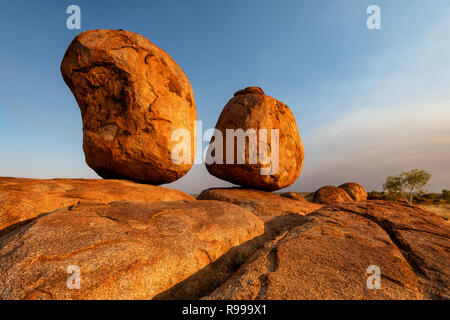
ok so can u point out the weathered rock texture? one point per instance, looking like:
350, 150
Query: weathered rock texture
278, 213
327, 257
331, 194
124, 250
250, 108
294, 196
423, 238
132, 96
355, 191
25, 199
260, 203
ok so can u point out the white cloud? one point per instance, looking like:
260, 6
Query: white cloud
398, 118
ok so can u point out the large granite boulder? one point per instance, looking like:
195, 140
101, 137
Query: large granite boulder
132, 96
25, 199
335, 252
126, 250
250, 109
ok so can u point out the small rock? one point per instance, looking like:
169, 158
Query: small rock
355, 191
331, 194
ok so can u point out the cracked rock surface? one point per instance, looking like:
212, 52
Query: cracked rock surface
132, 96
24, 199
261, 203
124, 250
278, 213
422, 237
328, 255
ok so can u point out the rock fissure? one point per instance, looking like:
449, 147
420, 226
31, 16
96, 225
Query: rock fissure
403, 247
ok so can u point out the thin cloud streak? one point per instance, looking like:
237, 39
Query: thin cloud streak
398, 120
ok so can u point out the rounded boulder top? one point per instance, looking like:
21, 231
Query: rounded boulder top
355, 191
331, 194
253, 90
132, 96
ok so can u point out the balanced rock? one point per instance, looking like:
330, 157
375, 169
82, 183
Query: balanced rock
335, 253
331, 194
132, 96
355, 191
124, 250
25, 199
275, 165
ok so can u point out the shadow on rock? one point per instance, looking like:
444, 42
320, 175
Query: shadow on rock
218, 272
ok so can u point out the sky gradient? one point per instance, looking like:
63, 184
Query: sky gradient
368, 103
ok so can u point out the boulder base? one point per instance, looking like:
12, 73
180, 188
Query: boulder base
294, 196
278, 213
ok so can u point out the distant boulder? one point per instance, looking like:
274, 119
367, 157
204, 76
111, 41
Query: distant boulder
355, 191
331, 194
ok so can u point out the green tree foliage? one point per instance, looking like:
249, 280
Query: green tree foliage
407, 183
393, 186
446, 195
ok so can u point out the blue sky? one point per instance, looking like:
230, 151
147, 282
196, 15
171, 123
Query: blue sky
368, 103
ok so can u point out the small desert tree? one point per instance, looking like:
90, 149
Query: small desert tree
414, 181
446, 195
408, 183
394, 186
